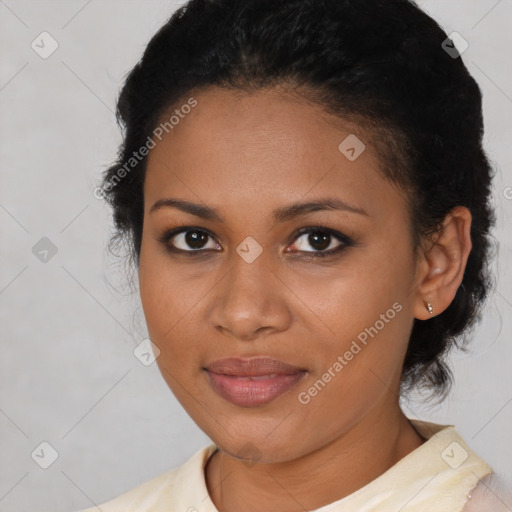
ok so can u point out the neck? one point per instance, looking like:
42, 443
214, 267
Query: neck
338, 469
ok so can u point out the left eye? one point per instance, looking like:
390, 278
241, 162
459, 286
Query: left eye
322, 241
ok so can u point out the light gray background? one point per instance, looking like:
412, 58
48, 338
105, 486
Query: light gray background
69, 326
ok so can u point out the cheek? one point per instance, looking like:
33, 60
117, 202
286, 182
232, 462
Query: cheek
169, 320
365, 309
171, 301
351, 296
168, 295
162, 309
356, 367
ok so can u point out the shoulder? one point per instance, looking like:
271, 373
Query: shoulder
139, 497
168, 491
490, 494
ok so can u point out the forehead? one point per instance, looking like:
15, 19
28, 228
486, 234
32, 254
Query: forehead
264, 147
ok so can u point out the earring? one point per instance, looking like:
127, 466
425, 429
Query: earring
429, 307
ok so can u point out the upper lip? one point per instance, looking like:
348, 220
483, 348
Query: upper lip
253, 367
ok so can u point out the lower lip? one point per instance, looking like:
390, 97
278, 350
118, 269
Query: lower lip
251, 393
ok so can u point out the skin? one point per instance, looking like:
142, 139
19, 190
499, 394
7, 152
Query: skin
247, 155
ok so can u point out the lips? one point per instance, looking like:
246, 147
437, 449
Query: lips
252, 367
252, 382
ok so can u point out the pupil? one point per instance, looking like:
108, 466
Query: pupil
319, 239
195, 239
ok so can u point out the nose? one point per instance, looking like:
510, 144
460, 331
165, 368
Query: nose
249, 301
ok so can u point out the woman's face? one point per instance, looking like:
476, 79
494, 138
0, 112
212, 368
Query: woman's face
245, 283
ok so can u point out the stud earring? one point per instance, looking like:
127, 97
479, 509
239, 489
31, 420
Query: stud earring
429, 307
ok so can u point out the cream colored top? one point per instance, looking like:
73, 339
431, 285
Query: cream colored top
436, 477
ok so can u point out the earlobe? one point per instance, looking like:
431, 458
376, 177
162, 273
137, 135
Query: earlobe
428, 305
430, 308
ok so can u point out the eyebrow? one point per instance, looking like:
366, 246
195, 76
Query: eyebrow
280, 215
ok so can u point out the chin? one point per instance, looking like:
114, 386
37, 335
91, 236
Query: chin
255, 446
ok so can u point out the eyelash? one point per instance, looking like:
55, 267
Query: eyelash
345, 241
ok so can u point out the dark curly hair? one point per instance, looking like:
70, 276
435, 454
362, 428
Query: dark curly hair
380, 63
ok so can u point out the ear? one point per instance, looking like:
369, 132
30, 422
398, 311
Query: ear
441, 266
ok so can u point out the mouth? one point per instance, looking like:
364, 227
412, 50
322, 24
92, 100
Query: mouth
252, 382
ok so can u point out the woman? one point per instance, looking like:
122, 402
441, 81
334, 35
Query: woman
305, 196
